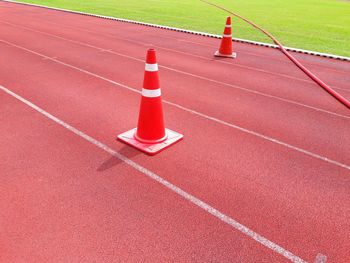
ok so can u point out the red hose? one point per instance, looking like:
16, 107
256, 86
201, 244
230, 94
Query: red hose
293, 59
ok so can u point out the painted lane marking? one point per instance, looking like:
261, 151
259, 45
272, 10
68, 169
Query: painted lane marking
190, 74
192, 199
273, 140
204, 58
193, 75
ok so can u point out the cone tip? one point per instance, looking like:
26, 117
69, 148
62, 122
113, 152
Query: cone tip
228, 20
151, 56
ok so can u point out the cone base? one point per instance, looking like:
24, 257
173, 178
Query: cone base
150, 149
218, 54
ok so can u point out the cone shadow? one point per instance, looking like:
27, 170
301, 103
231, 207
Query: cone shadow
113, 161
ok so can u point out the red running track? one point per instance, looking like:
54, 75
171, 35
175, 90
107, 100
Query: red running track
263, 145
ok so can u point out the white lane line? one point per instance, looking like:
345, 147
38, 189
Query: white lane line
175, 51
206, 58
273, 140
189, 74
194, 200
260, 55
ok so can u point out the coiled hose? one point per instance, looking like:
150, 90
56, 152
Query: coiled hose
331, 91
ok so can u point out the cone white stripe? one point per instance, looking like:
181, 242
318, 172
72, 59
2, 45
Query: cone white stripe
228, 26
224, 35
151, 67
151, 93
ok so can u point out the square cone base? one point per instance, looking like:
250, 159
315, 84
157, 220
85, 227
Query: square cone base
150, 149
218, 54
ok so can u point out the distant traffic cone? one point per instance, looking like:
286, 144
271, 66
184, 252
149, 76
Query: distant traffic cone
150, 136
226, 42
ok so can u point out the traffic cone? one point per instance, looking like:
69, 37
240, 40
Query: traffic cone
226, 42
150, 136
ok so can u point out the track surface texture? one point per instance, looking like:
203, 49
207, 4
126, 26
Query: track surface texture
262, 175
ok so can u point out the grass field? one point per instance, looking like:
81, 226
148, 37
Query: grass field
319, 25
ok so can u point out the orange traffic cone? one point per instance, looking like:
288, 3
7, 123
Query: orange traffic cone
150, 136
226, 42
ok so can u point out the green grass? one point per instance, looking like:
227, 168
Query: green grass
319, 25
